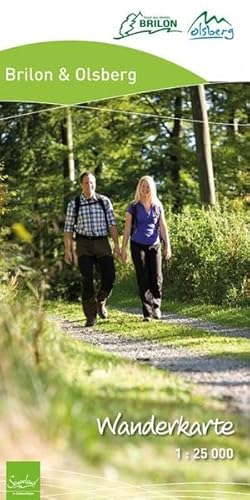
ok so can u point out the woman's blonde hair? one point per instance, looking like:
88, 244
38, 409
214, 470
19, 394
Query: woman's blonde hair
152, 187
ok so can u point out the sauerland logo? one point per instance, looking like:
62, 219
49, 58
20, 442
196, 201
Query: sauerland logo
23, 479
205, 27
134, 24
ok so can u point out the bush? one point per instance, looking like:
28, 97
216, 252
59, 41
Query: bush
209, 261
209, 257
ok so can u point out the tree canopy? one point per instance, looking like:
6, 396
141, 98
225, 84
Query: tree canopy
122, 139
43, 148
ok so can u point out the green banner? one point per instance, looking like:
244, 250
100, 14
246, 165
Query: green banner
71, 72
23, 480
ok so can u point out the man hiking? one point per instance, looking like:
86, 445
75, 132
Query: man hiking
91, 217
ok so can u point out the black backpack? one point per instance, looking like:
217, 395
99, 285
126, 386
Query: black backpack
99, 199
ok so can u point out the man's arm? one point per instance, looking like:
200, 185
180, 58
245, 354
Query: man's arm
68, 248
114, 235
68, 233
112, 227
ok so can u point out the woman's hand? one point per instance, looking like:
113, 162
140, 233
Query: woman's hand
124, 255
116, 251
167, 253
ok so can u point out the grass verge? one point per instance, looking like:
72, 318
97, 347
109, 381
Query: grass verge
125, 295
75, 383
131, 326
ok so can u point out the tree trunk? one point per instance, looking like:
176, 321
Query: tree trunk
203, 145
68, 162
175, 152
67, 140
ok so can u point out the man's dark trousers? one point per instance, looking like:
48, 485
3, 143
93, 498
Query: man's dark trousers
91, 253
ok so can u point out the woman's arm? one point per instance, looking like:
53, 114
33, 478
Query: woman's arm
165, 237
126, 235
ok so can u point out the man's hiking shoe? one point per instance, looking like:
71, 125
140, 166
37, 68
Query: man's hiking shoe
102, 310
89, 307
90, 322
156, 313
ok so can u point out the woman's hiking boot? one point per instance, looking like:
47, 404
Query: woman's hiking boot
102, 310
101, 304
156, 313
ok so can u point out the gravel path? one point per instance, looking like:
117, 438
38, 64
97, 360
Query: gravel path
226, 378
208, 326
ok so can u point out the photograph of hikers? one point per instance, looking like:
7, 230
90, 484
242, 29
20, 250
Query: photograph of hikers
124, 293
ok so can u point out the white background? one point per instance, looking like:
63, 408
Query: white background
25, 21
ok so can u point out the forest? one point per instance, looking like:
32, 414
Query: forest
193, 141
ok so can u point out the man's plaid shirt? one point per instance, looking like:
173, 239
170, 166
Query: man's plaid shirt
91, 219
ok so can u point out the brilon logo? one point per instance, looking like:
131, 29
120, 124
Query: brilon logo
205, 27
134, 24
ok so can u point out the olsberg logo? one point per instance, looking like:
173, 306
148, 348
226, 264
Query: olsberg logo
205, 27
138, 23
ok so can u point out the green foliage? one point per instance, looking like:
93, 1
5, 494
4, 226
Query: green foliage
210, 257
120, 141
236, 317
75, 382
